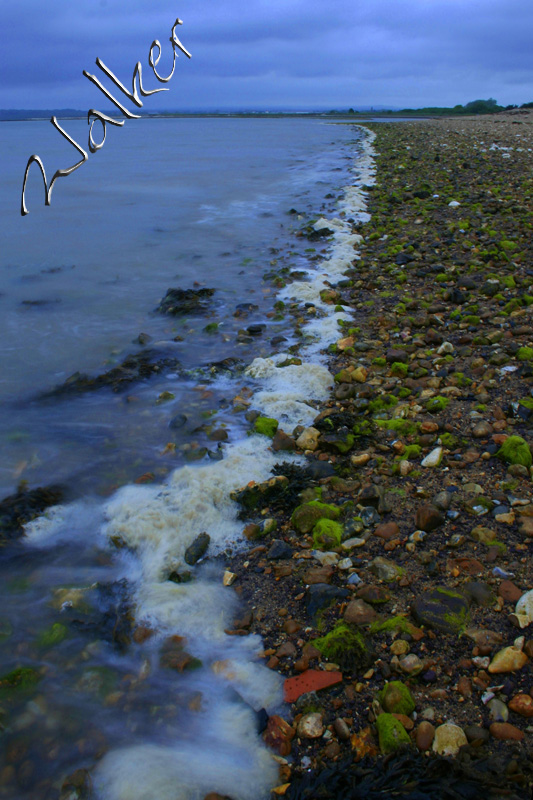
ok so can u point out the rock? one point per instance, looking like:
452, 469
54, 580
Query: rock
254, 494
442, 500
282, 442
464, 687
506, 731
279, 549
376, 595
484, 638
508, 660
479, 593
394, 354
498, 710
524, 609
359, 613
474, 733
428, 518
395, 698
482, 534
279, 735
197, 549
509, 591
341, 729
310, 726
308, 439
391, 733
185, 301
387, 530
443, 609
312, 680
522, 704
425, 733
177, 422
385, 569
321, 595
482, 430
411, 664
315, 575
305, 517
449, 738
526, 527
433, 459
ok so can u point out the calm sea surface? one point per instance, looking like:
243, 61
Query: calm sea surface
165, 203
113, 652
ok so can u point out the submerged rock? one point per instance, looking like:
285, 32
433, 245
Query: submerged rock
185, 301
197, 549
18, 509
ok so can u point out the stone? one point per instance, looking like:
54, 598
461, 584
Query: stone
308, 439
442, 609
479, 593
482, 430
395, 698
484, 637
498, 710
509, 591
522, 704
443, 500
385, 569
387, 530
341, 729
376, 595
482, 534
526, 527
411, 664
360, 459
279, 549
433, 458
391, 733
322, 595
282, 442
524, 609
506, 732
311, 726
279, 735
428, 518
425, 733
318, 575
312, 680
509, 659
449, 738
474, 733
197, 549
305, 517
464, 687
360, 374
359, 613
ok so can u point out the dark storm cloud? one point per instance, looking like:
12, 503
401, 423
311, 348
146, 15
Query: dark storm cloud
281, 52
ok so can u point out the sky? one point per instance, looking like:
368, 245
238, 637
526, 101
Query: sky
271, 54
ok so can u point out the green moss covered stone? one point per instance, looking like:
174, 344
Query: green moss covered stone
266, 426
396, 698
327, 534
437, 404
52, 635
305, 516
515, 450
345, 646
391, 733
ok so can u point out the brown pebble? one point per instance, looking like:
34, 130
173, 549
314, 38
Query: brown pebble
332, 750
341, 729
291, 626
509, 591
522, 704
506, 731
464, 686
407, 723
387, 530
424, 736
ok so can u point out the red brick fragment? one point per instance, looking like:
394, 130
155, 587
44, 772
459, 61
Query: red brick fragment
312, 680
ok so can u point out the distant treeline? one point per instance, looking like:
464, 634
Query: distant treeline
489, 106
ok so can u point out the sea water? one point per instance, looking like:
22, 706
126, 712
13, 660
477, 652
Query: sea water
177, 202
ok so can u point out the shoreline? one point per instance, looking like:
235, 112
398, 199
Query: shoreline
435, 350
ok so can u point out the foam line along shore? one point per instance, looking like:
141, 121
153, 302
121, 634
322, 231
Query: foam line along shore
184, 620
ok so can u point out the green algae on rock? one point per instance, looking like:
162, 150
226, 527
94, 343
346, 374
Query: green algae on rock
53, 635
327, 534
443, 609
22, 679
344, 646
515, 450
437, 404
391, 733
267, 426
396, 698
305, 516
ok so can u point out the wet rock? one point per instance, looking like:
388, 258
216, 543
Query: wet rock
20, 508
449, 738
260, 493
385, 569
279, 735
197, 549
428, 518
282, 442
442, 609
177, 422
179, 302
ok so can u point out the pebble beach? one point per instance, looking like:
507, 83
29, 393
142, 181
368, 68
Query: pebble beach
390, 576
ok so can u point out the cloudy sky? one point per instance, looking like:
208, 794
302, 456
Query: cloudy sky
293, 54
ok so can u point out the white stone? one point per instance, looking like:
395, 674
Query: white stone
454, 204
433, 459
311, 726
448, 739
344, 563
524, 609
326, 558
355, 541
